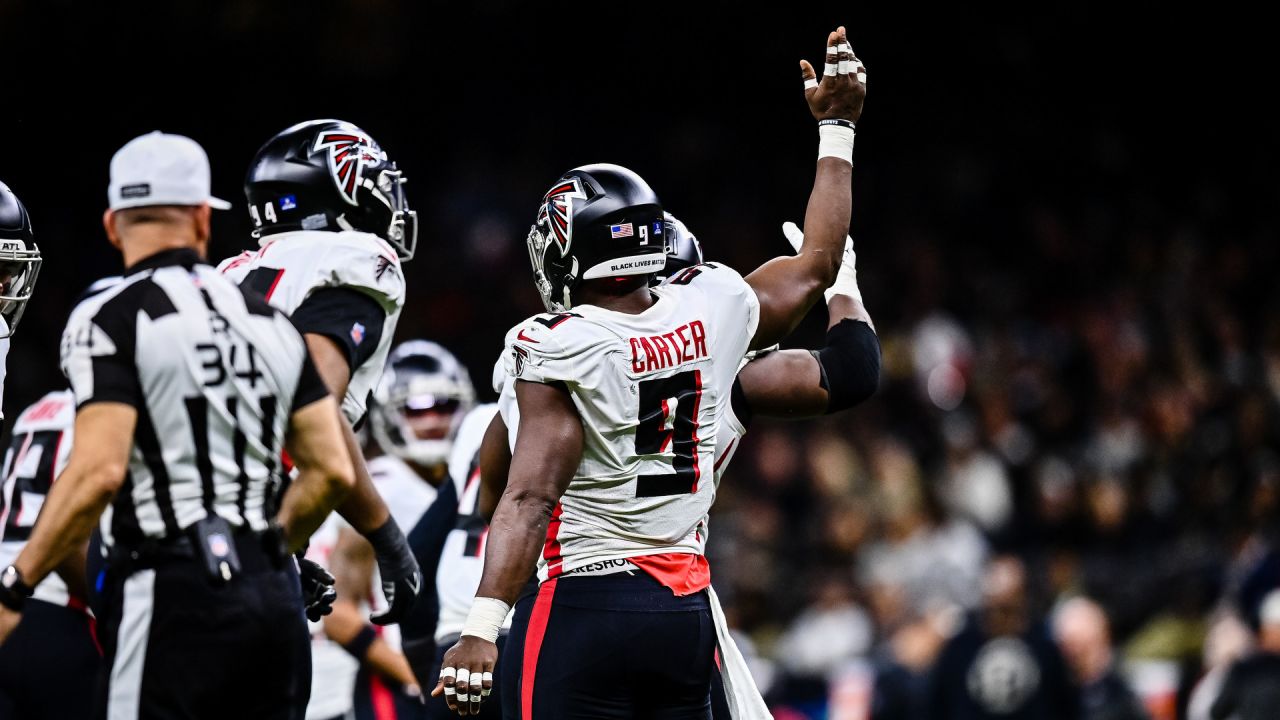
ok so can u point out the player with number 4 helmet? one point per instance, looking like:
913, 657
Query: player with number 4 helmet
333, 225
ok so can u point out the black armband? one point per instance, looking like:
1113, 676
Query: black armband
359, 645
849, 365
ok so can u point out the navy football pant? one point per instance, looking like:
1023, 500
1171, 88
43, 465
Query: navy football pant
49, 665
617, 646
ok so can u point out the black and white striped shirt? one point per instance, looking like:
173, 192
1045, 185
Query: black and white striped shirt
214, 373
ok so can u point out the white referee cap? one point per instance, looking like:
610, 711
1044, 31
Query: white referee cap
161, 169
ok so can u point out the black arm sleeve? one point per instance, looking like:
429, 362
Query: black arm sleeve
348, 317
850, 364
310, 387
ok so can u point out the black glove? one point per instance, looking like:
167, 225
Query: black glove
318, 593
401, 578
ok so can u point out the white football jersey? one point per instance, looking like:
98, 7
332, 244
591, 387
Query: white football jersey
333, 670
652, 390
462, 557
38, 452
289, 266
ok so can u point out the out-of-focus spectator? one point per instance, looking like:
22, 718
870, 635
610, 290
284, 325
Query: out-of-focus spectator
830, 632
1003, 664
1251, 690
1083, 634
1229, 639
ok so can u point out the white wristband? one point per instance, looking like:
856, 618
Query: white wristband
847, 279
486, 618
835, 141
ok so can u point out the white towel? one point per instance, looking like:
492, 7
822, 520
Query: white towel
744, 698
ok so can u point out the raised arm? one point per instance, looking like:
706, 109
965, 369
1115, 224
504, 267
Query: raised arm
787, 287
548, 450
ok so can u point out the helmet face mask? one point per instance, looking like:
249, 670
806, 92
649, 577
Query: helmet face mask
20, 261
329, 175
424, 388
19, 268
597, 221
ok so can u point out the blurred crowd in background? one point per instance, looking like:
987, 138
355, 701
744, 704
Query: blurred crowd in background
1062, 501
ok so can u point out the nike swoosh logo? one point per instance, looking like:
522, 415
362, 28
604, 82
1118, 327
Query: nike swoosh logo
526, 338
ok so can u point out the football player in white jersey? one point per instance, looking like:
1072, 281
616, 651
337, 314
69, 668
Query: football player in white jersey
333, 226
415, 415
19, 267
621, 392
48, 667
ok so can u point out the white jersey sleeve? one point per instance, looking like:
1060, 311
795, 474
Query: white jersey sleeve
37, 453
290, 267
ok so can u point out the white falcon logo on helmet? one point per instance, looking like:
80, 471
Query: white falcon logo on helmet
349, 152
557, 211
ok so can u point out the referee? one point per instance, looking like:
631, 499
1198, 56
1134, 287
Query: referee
186, 391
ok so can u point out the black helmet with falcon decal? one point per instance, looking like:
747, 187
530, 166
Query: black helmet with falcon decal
597, 221
19, 261
329, 175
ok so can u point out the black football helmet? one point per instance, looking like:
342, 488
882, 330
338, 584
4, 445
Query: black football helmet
683, 249
19, 260
597, 221
329, 175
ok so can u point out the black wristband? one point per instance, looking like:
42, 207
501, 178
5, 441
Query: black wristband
837, 121
14, 591
389, 540
849, 365
359, 645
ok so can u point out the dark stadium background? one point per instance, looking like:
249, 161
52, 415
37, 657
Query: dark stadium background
1086, 196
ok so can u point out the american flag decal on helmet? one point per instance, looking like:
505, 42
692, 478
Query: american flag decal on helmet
557, 211
349, 152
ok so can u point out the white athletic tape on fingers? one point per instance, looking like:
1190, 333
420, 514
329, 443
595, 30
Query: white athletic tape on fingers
463, 697
487, 677
464, 676
842, 67
484, 692
829, 69
449, 691
844, 47
862, 78
810, 83
449, 673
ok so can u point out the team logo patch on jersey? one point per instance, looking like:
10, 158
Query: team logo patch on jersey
380, 267
349, 153
557, 211
521, 356
357, 333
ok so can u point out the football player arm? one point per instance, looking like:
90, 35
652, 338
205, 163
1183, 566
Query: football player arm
547, 453
94, 473
495, 464
797, 384
364, 508
788, 286
352, 564
325, 474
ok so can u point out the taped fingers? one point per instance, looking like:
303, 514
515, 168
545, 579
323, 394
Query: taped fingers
845, 58
832, 65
